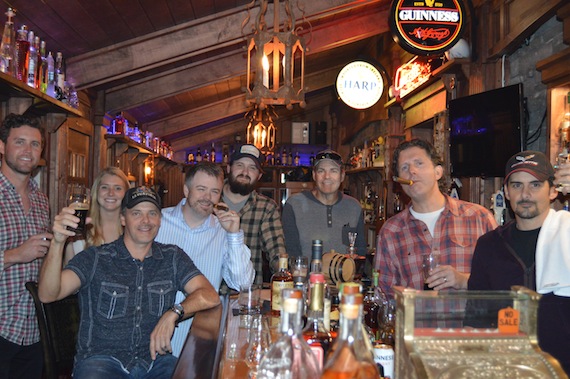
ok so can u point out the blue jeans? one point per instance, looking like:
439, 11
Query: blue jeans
107, 367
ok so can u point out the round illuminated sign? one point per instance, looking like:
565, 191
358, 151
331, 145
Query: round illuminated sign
360, 85
427, 27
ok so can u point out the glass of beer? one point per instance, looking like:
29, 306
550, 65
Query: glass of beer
429, 262
79, 201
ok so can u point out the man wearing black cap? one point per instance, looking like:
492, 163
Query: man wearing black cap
533, 250
323, 213
259, 215
126, 293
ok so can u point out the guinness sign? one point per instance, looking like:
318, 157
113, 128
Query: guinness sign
427, 27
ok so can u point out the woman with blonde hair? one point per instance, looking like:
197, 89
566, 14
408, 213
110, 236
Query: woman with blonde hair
108, 190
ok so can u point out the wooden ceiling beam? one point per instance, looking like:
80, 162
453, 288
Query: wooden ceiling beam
233, 63
231, 107
181, 43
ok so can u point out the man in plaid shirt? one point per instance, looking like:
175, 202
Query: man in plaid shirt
433, 222
24, 241
260, 218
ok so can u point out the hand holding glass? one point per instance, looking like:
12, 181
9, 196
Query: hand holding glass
429, 262
79, 201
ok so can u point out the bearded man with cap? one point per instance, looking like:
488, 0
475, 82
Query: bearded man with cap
126, 293
532, 251
259, 215
323, 213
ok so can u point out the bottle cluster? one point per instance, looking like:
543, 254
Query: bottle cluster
121, 126
23, 56
361, 346
209, 155
371, 154
284, 158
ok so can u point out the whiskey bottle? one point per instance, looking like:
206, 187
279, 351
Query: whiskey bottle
213, 154
290, 356
22, 52
198, 156
350, 356
316, 256
280, 280
315, 333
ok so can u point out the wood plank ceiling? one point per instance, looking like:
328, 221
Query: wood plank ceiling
178, 66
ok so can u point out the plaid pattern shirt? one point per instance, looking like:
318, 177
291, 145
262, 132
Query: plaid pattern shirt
263, 232
403, 239
18, 322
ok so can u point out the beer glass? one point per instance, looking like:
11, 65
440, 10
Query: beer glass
79, 201
429, 262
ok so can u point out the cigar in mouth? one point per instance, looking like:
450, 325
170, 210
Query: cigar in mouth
221, 207
397, 179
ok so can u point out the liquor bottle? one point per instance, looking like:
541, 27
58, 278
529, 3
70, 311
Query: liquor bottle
316, 257
312, 158
290, 356
190, 158
42, 68
226, 157
50, 76
373, 306
350, 356
213, 154
280, 280
315, 333
59, 77
119, 124
32, 60
198, 156
284, 157
22, 52
297, 159
290, 159
7, 58
385, 345
206, 157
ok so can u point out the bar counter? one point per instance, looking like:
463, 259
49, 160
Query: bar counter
216, 344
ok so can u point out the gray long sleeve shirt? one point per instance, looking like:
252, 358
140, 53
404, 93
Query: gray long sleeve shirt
305, 219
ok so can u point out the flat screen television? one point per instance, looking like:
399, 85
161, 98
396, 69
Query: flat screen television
486, 129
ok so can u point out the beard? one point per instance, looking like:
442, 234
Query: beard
526, 212
242, 188
19, 168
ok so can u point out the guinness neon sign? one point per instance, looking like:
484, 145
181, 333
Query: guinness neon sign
427, 27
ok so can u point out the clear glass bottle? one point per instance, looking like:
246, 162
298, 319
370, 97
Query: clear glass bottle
7, 52
59, 77
315, 333
42, 68
259, 341
32, 60
50, 76
22, 52
290, 357
280, 280
351, 357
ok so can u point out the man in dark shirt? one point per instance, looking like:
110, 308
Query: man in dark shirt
126, 293
531, 250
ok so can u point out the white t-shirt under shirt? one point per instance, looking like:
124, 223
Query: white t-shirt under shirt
429, 218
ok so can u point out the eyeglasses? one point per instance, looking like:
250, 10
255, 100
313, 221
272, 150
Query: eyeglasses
329, 155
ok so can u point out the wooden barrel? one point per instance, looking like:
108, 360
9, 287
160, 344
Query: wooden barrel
338, 267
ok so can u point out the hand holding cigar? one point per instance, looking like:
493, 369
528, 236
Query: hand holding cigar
397, 179
221, 207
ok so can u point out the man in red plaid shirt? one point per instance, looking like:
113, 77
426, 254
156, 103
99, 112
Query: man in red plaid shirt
24, 241
432, 222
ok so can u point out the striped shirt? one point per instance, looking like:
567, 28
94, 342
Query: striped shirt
403, 239
18, 322
217, 254
263, 232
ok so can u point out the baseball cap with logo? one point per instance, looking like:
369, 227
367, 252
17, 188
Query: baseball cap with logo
138, 195
532, 162
331, 155
249, 151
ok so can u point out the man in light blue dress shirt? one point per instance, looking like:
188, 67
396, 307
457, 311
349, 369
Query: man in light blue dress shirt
210, 236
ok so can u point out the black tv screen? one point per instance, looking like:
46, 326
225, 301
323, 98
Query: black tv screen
486, 129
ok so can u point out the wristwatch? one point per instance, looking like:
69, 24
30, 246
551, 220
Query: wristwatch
179, 310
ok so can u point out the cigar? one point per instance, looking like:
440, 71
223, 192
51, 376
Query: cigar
221, 207
397, 179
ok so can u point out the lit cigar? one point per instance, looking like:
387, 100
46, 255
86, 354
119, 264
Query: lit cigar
397, 179
221, 207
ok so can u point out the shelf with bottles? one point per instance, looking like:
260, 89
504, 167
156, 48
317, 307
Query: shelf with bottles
124, 145
41, 103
